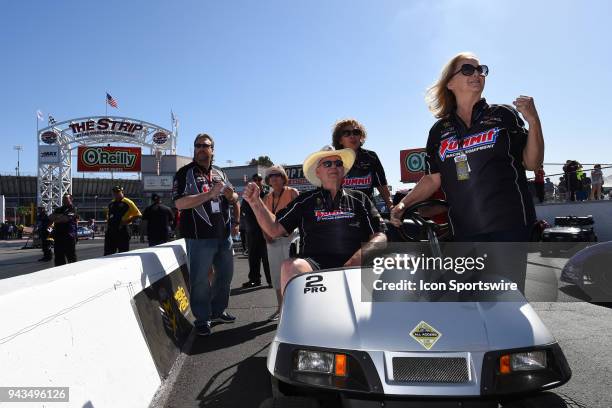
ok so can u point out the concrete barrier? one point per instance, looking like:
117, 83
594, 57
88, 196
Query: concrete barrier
107, 328
601, 211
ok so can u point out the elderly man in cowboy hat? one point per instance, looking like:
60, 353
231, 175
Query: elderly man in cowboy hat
333, 222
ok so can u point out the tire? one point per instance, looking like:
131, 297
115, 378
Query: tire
290, 402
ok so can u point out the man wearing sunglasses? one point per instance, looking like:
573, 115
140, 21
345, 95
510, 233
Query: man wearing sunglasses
333, 221
204, 196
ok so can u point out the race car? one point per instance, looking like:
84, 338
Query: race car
333, 349
84, 233
567, 234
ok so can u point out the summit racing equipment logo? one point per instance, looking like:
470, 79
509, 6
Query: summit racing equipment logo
357, 182
451, 145
425, 335
333, 215
108, 158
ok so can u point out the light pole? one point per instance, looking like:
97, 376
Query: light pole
19, 148
95, 207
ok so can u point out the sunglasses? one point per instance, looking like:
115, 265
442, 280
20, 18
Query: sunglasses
468, 70
274, 175
202, 145
329, 163
349, 133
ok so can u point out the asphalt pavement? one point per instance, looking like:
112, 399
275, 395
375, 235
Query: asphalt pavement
228, 369
15, 261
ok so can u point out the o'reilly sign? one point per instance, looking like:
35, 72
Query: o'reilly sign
101, 158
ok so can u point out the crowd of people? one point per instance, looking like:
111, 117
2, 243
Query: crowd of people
576, 184
8, 230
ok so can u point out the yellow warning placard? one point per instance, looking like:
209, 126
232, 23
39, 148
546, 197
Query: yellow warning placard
425, 334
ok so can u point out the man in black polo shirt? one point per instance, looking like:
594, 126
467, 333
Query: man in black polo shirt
256, 243
159, 219
65, 232
333, 221
203, 195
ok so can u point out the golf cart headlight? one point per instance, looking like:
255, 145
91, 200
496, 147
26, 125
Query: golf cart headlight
315, 362
533, 360
527, 361
509, 372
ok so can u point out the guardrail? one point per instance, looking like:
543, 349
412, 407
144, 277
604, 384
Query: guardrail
108, 328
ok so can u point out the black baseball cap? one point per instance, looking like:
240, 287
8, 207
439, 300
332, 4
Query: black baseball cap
154, 196
256, 176
117, 188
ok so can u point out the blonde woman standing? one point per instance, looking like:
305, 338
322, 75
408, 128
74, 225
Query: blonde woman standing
278, 249
478, 154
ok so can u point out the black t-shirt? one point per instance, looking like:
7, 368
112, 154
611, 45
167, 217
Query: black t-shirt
366, 173
66, 230
332, 230
159, 218
202, 222
248, 217
495, 197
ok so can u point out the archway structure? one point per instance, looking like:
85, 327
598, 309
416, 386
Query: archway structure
56, 142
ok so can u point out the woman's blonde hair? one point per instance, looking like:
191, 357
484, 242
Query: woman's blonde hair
440, 100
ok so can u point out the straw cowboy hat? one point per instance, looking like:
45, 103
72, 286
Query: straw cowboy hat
310, 164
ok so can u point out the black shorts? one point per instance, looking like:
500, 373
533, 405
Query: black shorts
325, 262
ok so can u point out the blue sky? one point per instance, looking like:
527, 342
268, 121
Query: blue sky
271, 77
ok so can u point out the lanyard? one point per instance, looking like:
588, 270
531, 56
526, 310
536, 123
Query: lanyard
208, 177
278, 202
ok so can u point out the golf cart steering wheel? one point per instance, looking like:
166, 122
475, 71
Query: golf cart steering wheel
435, 232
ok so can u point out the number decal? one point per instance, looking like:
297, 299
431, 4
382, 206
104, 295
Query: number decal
313, 284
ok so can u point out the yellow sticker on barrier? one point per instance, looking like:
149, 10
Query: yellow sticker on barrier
181, 297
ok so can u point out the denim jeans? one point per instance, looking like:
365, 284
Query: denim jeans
209, 300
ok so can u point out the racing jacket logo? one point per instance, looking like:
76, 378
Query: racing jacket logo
332, 215
451, 145
358, 182
202, 185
